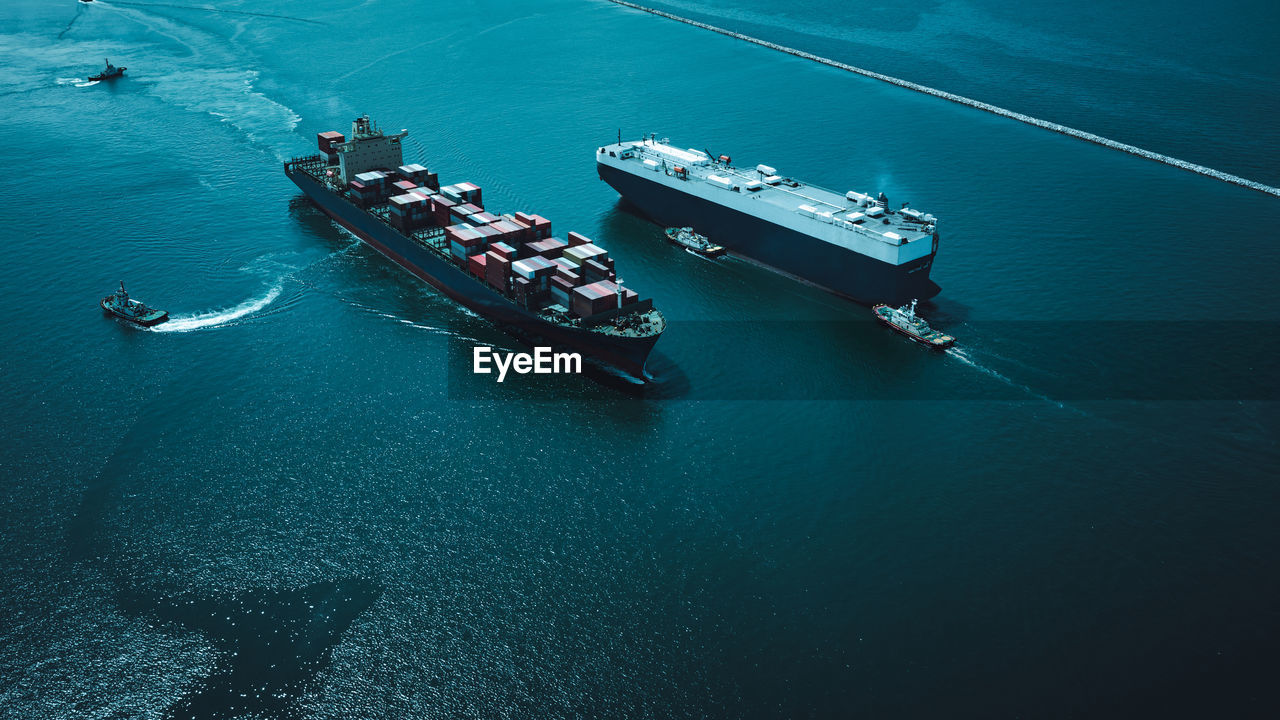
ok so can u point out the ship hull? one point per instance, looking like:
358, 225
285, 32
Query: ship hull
152, 318
831, 267
628, 354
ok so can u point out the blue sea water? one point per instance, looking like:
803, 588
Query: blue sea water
294, 501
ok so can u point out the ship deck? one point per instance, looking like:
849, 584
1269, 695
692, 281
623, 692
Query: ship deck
636, 323
824, 206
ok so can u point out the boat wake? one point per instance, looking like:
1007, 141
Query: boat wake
221, 11
211, 77
187, 323
88, 83
960, 355
977, 104
230, 96
74, 18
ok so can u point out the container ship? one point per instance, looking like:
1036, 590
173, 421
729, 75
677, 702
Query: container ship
854, 245
510, 269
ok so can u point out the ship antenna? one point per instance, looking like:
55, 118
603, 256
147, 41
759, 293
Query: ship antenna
619, 136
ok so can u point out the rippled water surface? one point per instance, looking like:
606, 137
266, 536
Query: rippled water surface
293, 500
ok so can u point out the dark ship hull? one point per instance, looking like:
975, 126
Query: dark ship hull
152, 317
628, 354
833, 268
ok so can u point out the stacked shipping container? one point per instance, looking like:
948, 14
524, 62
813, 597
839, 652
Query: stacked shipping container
515, 254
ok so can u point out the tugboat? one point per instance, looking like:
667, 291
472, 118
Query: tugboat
905, 321
125, 308
693, 242
111, 71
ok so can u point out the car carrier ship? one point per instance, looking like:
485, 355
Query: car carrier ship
507, 268
853, 245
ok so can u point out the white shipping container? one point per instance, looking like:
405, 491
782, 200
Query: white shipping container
875, 211
856, 217
772, 180
523, 269
766, 170
807, 210
723, 182
651, 164
893, 237
754, 185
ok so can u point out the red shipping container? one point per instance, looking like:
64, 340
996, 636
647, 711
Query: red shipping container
326, 141
541, 227
594, 271
508, 228
595, 298
575, 239
574, 278
441, 207
551, 248
476, 265
470, 192
503, 250
523, 231
497, 270
464, 235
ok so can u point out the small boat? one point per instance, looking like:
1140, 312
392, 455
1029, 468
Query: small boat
906, 321
694, 242
126, 308
111, 71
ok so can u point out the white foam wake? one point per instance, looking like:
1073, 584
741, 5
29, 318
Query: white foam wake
978, 104
186, 323
964, 357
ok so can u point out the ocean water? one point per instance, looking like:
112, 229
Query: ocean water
293, 500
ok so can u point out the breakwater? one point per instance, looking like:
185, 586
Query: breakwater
978, 104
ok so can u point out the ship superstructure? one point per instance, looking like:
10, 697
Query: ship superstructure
853, 244
509, 268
